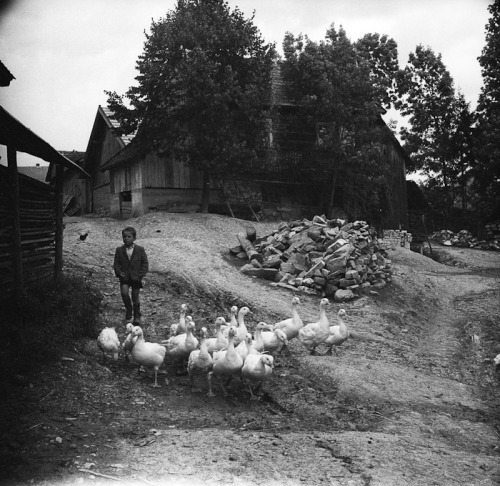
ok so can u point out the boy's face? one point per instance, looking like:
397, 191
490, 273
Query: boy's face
128, 238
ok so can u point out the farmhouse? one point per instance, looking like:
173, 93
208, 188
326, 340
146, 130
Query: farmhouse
126, 184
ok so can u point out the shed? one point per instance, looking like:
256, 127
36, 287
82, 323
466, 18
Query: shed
126, 184
75, 186
31, 238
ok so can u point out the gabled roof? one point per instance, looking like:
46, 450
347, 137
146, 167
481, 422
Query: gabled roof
74, 155
108, 116
127, 154
278, 88
37, 172
104, 120
14, 134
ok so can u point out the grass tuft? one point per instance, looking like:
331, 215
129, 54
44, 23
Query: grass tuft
51, 317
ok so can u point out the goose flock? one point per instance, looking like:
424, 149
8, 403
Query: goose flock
233, 351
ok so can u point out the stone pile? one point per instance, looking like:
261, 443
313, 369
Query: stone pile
323, 257
464, 239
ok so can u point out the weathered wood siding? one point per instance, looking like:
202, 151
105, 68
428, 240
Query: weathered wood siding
155, 172
101, 180
397, 217
77, 187
37, 217
101, 198
126, 178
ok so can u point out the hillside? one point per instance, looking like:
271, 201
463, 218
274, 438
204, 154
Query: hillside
410, 399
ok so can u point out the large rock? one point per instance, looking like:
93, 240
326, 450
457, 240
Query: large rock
336, 265
343, 295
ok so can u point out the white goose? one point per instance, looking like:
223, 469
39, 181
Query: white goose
292, 325
149, 355
179, 347
338, 333
257, 368
179, 327
233, 321
226, 363
273, 340
108, 343
199, 359
258, 342
246, 347
219, 342
241, 330
129, 342
316, 333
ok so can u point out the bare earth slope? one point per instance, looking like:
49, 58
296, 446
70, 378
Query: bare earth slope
409, 399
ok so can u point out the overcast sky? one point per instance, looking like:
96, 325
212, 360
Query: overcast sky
65, 53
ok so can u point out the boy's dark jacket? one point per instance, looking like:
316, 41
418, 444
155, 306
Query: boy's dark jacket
135, 268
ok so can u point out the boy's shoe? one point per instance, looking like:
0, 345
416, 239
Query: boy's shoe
128, 312
137, 314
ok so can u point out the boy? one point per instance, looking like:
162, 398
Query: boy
131, 265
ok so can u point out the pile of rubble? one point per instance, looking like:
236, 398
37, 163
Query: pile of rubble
465, 239
323, 257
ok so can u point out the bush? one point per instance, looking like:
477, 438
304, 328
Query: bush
52, 316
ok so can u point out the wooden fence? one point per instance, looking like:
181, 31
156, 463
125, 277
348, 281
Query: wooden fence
37, 215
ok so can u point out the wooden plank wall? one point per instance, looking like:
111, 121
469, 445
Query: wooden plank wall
155, 172
37, 213
398, 214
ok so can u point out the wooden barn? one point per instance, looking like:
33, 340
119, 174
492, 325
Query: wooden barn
142, 184
103, 144
304, 175
31, 235
125, 184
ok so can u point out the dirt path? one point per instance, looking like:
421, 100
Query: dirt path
408, 400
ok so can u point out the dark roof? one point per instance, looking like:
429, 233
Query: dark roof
5, 75
127, 154
278, 92
74, 155
14, 134
37, 172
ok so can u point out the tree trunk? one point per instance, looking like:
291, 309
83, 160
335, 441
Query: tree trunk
205, 195
331, 203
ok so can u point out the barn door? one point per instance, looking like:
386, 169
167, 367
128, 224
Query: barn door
125, 205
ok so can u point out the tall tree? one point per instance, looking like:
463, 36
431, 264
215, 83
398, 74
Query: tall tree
487, 170
339, 89
381, 54
203, 84
427, 97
